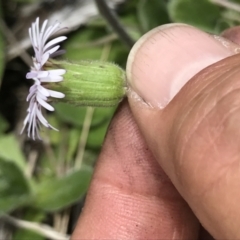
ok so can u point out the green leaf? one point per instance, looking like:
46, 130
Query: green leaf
23, 234
101, 115
88, 44
82, 46
3, 124
10, 150
152, 15
53, 136
73, 143
90, 157
70, 113
14, 188
202, 14
75, 115
97, 135
56, 194
119, 52
47, 167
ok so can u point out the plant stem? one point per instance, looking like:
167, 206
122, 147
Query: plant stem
114, 22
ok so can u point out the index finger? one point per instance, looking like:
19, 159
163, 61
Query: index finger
130, 196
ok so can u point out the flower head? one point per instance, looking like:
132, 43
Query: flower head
38, 93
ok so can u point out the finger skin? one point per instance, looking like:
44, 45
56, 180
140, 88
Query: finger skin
130, 196
196, 140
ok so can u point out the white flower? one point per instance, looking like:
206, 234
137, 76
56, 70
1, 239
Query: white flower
38, 94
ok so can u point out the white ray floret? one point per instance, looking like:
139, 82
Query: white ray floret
38, 94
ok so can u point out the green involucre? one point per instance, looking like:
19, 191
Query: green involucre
91, 83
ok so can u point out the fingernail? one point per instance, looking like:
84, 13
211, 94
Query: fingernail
167, 57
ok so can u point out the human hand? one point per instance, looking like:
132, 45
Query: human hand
195, 140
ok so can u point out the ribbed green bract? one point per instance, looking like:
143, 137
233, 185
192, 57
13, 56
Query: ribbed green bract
91, 83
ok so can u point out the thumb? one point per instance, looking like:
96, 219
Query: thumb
193, 133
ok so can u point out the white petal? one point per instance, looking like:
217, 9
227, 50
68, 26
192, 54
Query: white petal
56, 72
26, 120
37, 30
32, 115
37, 65
38, 56
31, 75
57, 53
33, 88
37, 81
44, 59
44, 25
34, 36
24, 126
43, 30
45, 104
56, 94
34, 126
31, 93
52, 79
30, 35
52, 50
49, 32
54, 42
55, 28
44, 91
42, 96
37, 74
50, 126
38, 95
41, 118
31, 103
42, 74
46, 35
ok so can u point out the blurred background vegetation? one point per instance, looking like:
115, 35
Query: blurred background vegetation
43, 183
